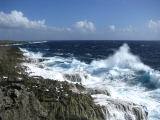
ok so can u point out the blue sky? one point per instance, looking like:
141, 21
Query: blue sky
80, 19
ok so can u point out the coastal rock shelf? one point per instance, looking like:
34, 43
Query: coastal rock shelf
18, 104
24, 97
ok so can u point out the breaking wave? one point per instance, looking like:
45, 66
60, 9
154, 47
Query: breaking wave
123, 61
122, 72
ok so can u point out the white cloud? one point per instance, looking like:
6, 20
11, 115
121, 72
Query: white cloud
17, 26
85, 26
112, 28
154, 25
16, 20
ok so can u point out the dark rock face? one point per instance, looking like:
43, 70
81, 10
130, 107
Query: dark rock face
18, 104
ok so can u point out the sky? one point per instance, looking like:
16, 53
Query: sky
79, 20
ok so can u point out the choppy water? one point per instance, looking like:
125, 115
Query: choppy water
130, 69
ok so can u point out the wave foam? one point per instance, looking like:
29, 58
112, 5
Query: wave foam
122, 58
31, 54
122, 71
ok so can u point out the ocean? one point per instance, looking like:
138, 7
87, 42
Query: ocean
129, 69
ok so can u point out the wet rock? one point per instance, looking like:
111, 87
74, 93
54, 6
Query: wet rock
80, 87
76, 76
41, 66
118, 109
105, 91
72, 77
42, 59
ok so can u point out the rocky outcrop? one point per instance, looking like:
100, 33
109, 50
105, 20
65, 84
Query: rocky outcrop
40, 99
62, 103
18, 104
35, 60
76, 76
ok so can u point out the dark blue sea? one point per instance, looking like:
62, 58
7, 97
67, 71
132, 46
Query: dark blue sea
130, 69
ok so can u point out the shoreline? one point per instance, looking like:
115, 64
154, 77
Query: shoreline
115, 102
11, 42
33, 97
40, 94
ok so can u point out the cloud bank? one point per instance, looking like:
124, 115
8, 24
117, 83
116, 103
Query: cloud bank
18, 27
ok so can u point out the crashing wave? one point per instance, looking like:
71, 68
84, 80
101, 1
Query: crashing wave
122, 60
122, 71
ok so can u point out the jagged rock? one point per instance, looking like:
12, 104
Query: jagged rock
42, 60
105, 91
33, 60
76, 76
72, 77
18, 104
62, 103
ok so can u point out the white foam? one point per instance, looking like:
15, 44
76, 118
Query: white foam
119, 72
31, 54
122, 59
38, 42
155, 77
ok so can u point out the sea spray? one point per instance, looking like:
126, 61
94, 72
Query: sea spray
113, 109
122, 71
123, 59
